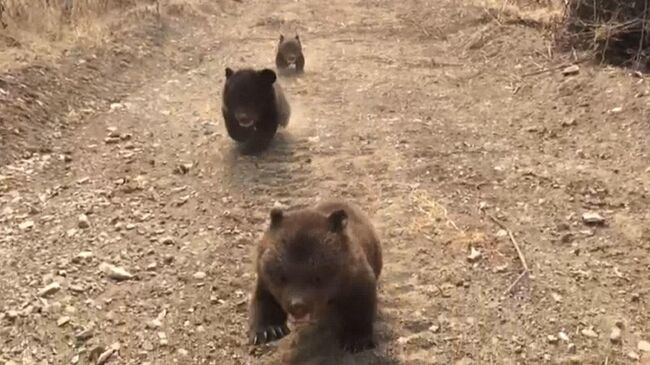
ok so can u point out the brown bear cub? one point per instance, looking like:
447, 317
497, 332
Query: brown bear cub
290, 53
253, 107
317, 263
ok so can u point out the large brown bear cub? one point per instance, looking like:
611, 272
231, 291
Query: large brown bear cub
317, 263
253, 106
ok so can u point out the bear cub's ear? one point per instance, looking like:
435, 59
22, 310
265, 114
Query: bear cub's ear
268, 76
281, 38
338, 220
229, 72
276, 217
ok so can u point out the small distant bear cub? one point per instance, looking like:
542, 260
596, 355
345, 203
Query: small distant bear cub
290, 53
317, 263
253, 107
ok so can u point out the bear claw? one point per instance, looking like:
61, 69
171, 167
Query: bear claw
355, 345
269, 334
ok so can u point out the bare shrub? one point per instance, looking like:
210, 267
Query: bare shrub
617, 31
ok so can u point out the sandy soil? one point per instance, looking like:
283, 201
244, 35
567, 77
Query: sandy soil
417, 110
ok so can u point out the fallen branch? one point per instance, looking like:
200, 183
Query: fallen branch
512, 238
514, 283
559, 67
522, 258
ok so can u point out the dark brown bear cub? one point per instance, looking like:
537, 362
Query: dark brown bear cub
289, 54
317, 263
253, 107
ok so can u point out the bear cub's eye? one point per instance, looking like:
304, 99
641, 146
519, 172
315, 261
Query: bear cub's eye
317, 280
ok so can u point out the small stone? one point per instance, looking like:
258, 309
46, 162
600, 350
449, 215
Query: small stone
147, 346
434, 328
200, 275
84, 335
556, 297
587, 332
111, 140
183, 169
76, 288
566, 237
105, 356
615, 335
633, 355
464, 361
83, 221
83, 256
12, 315
593, 218
575, 360
152, 266
162, 337
155, 323
115, 272
474, 255
95, 352
50, 289
571, 348
183, 352
26, 225
169, 240
569, 122
552, 339
62, 321
644, 346
616, 110
7, 211
277, 204
501, 268
571, 70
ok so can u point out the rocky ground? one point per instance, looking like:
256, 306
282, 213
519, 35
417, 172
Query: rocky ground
128, 217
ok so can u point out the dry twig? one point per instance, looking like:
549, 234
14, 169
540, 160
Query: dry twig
558, 67
522, 258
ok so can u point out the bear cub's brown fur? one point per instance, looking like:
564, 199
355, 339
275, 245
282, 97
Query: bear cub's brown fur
289, 53
316, 263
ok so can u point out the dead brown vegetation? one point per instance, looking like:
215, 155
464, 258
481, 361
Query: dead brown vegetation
616, 30
49, 16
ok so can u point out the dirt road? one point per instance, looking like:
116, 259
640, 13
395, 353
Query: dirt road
416, 110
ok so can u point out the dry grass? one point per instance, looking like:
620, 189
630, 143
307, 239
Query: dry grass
615, 31
51, 17
42, 29
544, 14
618, 31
